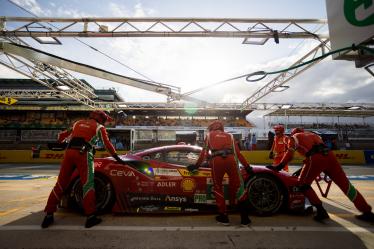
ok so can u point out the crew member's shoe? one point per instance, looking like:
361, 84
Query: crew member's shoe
244, 220
48, 220
321, 214
308, 210
92, 220
223, 219
367, 216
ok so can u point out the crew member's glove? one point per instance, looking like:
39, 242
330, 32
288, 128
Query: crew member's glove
270, 167
192, 167
118, 159
278, 167
271, 155
249, 170
297, 172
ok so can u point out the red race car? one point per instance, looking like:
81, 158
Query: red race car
157, 181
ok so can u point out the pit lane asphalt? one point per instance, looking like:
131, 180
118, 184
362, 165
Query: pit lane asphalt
22, 202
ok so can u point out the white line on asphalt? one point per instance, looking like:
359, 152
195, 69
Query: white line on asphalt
194, 229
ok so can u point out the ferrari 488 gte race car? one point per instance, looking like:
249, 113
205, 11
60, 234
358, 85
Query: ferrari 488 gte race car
157, 181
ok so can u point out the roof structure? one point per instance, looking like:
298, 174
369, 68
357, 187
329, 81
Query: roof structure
322, 109
42, 66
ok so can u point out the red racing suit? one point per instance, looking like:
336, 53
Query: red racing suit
87, 132
318, 159
279, 149
223, 159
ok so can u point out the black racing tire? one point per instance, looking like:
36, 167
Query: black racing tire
104, 192
265, 194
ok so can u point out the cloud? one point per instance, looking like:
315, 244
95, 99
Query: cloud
32, 6
328, 91
68, 12
327, 81
117, 10
120, 10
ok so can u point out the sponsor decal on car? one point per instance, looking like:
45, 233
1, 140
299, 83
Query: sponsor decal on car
98, 164
191, 210
145, 184
166, 172
179, 199
200, 198
199, 173
172, 208
297, 204
166, 184
210, 189
149, 208
144, 198
115, 172
188, 185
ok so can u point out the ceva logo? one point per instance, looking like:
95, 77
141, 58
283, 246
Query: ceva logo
359, 12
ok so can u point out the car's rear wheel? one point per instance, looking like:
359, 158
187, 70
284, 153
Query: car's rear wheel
265, 194
104, 192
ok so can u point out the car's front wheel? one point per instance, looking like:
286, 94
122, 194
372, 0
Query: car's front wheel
104, 192
265, 194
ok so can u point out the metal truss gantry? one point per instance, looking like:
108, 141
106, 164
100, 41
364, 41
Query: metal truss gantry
263, 29
20, 57
59, 81
284, 77
163, 27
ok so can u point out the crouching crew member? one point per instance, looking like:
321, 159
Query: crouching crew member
318, 158
79, 155
222, 153
279, 147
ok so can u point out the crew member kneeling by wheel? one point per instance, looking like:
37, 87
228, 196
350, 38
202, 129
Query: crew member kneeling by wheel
318, 158
223, 158
79, 154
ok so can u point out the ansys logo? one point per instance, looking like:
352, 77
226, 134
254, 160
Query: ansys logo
359, 12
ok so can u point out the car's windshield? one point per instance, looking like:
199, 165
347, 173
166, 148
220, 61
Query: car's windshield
181, 157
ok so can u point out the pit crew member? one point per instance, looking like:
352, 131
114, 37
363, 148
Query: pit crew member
279, 147
79, 155
318, 158
223, 154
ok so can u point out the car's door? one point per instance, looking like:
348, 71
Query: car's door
194, 185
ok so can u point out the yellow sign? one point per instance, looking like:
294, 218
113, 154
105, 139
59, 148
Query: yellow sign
200, 173
8, 101
344, 157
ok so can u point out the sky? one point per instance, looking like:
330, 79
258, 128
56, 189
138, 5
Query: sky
191, 63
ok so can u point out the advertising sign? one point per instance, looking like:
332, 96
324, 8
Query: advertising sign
369, 156
350, 22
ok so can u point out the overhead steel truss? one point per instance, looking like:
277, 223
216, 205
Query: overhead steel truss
56, 67
55, 78
263, 29
32, 94
162, 27
284, 77
275, 109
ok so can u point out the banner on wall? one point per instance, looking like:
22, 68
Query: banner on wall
369, 156
348, 157
355, 157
